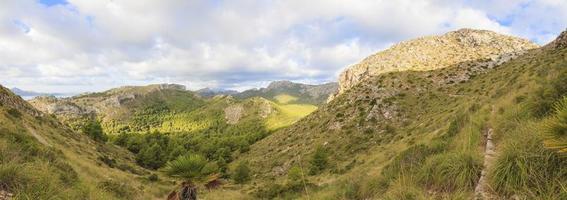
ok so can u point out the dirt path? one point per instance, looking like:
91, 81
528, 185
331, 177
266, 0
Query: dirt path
482, 190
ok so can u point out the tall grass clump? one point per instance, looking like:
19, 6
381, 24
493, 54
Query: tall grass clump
524, 167
451, 171
407, 162
555, 128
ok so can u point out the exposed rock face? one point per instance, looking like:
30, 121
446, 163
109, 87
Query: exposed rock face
434, 52
559, 42
233, 113
52, 105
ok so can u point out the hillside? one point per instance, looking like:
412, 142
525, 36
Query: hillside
290, 92
421, 134
41, 159
489, 125
158, 123
435, 52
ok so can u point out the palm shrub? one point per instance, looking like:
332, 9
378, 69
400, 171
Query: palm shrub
192, 167
555, 128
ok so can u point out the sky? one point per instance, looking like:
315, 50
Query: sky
75, 46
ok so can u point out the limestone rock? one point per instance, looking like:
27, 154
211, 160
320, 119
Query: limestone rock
233, 113
559, 42
434, 52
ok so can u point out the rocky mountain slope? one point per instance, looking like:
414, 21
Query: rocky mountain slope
159, 123
42, 159
435, 52
421, 134
467, 115
290, 92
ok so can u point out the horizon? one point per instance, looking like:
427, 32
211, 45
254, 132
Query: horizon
82, 46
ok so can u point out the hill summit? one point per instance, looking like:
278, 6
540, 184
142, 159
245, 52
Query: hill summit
435, 52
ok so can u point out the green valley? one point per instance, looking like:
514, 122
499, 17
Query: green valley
470, 114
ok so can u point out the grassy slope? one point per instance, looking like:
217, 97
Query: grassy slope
43, 160
411, 134
288, 113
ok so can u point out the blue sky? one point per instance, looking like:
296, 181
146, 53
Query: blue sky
52, 2
86, 45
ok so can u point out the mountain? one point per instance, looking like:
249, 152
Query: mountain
159, 123
42, 159
129, 108
31, 94
208, 92
435, 52
290, 92
483, 117
471, 128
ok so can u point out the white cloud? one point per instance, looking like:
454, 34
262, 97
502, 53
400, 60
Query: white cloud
93, 45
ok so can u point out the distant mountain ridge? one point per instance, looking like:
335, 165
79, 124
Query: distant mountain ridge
208, 92
31, 94
302, 93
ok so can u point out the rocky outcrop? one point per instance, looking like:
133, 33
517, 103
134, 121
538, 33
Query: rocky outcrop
434, 52
559, 42
60, 107
233, 113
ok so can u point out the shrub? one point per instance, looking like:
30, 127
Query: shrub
408, 161
14, 113
153, 177
94, 131
153, 157
110, 162
295, 178
118, 189
188, 167
319, 161
525, 167
241, 173
555, 128
451, 171
270, 191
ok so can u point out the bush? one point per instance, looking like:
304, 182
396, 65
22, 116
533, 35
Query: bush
555, 128
110, 162
188, 167
451, 171
319, 161
153, 157
94, 131
295, 178
14, 113
525, 167
153, 177
118, 189
241, 173
270, 191
408, 161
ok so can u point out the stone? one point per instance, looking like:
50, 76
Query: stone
434, 52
